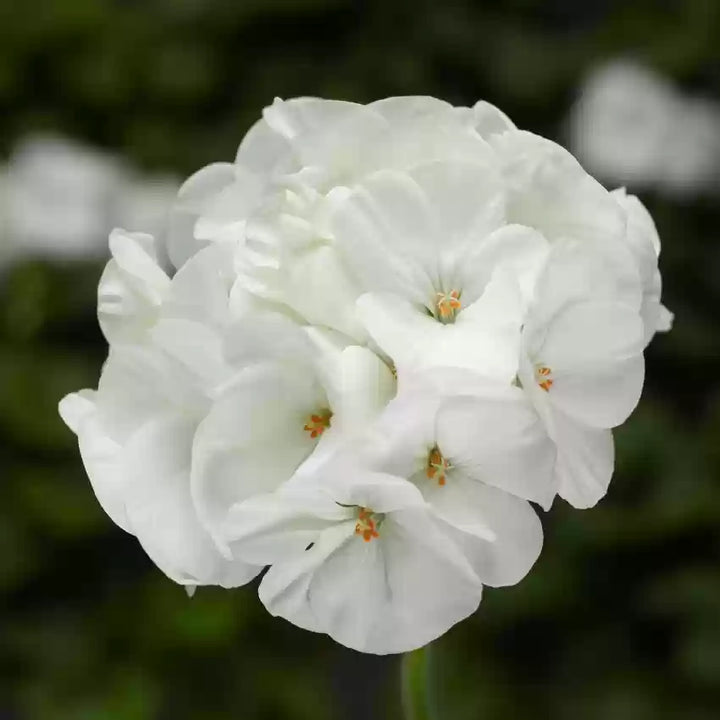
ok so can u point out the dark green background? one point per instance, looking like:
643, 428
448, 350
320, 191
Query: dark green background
620, 619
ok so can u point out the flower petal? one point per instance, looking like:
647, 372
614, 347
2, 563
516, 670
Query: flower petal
501, 441
396, 593
161, 512
253, 439
272, 528
585, 461
384, 229
131, 288
101, 456
414, 340
499, 533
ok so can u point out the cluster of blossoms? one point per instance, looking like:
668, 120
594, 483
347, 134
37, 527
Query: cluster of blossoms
387, 330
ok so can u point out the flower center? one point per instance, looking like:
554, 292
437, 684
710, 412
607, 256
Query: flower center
437, 467
543, 377
318, 422
447, 305
367, 524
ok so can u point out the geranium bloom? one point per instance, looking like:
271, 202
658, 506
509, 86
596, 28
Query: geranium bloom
385, 329
445, 278
361, 560
297, 396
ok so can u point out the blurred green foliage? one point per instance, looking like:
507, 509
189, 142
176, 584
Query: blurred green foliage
619, 619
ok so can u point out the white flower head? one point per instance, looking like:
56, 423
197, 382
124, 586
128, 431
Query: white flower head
361, 560
383, 331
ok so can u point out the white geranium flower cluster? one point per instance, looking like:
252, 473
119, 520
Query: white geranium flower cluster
389, 328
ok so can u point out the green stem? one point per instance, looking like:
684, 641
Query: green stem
418, 690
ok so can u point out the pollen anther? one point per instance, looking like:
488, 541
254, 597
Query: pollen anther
437, 467
366, 525
318, 422
543, 377
448, 305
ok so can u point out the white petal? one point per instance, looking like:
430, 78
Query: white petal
193, 197
594, 352
515, 248
489, 120
229, 206
499, 533
301, 116
203, 186
586, 271
601, 397
131, 288
552, 193
404, 109
262, 336
75, 407
362, 387
101, 456
665, 320
415, 340
200, 289
585, 461
197, 347
590, 335
138, 383
284, 588
262, 149
136, 255
271, 528
501, 441
318, 287
384, 229
161, 512
466, 200
382, 492
253, 439
396, 593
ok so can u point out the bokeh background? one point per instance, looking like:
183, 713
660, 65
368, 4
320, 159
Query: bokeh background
620, 619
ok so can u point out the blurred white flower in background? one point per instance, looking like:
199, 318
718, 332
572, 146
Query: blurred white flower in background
630, 125
59, 199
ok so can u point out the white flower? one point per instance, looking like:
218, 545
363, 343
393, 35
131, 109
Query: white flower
470, 481
274, 198
446, 279
59, 196
391, 328
298, 396
361, 560
581, 363
632, 125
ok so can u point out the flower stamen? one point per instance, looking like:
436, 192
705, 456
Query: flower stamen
543, 377
318, 422
448, 305
366, 525
437, 467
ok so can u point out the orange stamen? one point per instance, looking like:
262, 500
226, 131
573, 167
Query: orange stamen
448, 304
543, 377
317, 423
366, 525
437, 467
